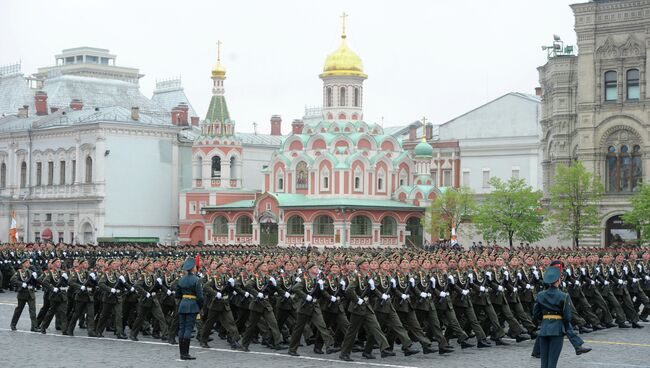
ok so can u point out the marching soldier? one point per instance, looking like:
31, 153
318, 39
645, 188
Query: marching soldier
24, 282
55, 281
148, 304
84, 284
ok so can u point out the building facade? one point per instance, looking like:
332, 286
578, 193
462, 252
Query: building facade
594, 105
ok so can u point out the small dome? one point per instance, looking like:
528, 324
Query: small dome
423, 149
218, 70
343, 62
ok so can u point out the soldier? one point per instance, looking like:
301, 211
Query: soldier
190, 293
83, 284
218, 291
148, 304
24, 282
113, 285
55, 281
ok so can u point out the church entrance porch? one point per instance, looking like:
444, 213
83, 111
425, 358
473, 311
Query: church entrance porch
618, 234
269, 234
414, 233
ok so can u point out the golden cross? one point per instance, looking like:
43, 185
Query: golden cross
343, 16
219, 50
424, 127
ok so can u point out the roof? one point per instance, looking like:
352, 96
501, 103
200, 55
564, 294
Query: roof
168, 98
247, 203
14, 93
218, 110
302, 201
260, 139
525, 96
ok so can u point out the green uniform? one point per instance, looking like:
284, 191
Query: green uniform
23, 281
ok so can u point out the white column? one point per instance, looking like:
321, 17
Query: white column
225, 174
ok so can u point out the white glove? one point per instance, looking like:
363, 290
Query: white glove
309, 298
148, 295
620, 282
200, 275
405, 296
647, 278
593, 282
132, 289
611, 271
465, 292
432, 279
333, 299
536, 273
528, 287
159, 281
568, 271
635, 280
605, 282
384, 296
577, 283
393, 282
297, 279
287, 295
24, 285
234, 292
93, 276
583, 270
321, 284
489, 275
122, 279
169, 292
500, 288
625, 269
113, 290
34, 275
272, 280
119, 291
56, 290
83, 288
443, 294
371, 282
64, 275
342, 283
260, 295
423, 295
219, 295
247, 294
451, 279
506, 273
470, 276
519, 275
231, 281
412, 281
360, 301
89, 289
482, 289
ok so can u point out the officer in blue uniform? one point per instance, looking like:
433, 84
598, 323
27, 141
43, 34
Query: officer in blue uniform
553, 309
190, 292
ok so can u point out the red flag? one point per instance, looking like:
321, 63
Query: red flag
197, 260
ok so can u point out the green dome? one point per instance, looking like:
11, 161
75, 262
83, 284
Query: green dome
423, 149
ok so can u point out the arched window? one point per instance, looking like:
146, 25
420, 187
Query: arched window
324, 225
279, 177
233, 168
216, 167
360, 226
381, 186
342, 97
358, 180
611, 87
302, 181
328, 97
220, 226
356, 96
325, 179
3, 176
388, 226
624, 166
632, 82
403, 180
89, 170
296, 226
23, 174
244, 226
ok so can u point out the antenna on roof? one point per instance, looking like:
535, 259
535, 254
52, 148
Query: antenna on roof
255, 128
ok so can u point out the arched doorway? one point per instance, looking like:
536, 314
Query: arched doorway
619, 234
197, 234
268, 229
87, 233
414, 232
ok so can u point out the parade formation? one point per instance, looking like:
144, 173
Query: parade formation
335, 300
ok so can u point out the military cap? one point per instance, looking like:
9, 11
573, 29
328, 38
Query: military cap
551, 275
189, 264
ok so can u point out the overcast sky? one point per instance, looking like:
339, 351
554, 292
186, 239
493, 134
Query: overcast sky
437, 59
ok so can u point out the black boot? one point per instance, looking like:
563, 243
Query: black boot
185, 353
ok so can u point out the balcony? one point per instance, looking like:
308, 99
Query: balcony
66, 191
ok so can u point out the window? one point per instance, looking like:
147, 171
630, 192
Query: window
328, 97
360, 226
69, 60
216, 167
624, 169
244, 226
23, 174
402, 178
220, 226
466, 178
324, 225
325, 179
192, 208
515, 173
3, 176
37, 236
357, 180
486, 178
39, 172
74, 171
342, 97
89, 170
280, 181
233, 168
356, 97
296, 226
302, 181
50, 173
48, 217
611, 88
80, 58
60, 237
71, 238
388, 226
632, 82
381, 186
104, 61
61, 172
92, 59
446, 178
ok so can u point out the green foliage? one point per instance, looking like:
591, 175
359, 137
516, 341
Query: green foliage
639, 217
448, 210
512, 210
575, 195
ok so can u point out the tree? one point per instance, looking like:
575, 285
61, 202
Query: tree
448, 210
574, 202
511, 210
639, 217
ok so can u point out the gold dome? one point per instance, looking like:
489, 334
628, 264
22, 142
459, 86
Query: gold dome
343, 61
219, 70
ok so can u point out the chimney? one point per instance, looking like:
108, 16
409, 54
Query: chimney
276, 125
53, 109
195, 120
296, 126
429, 131
23, 112
413, 132
184, 108
176, 118
135, 113
76, 104
538, 91
40, 102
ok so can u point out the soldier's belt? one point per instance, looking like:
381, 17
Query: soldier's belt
552, 316
189, 296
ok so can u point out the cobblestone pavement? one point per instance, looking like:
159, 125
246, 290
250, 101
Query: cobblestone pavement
612, 348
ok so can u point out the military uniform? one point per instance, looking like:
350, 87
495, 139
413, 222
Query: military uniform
218, 291
83, 284
23, 282
56, 282
148, 304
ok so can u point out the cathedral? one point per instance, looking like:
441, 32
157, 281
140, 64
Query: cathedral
334, 181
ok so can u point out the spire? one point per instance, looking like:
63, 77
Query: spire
343, 16
219, 70
218, 109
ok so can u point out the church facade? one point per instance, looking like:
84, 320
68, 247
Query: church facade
594, 106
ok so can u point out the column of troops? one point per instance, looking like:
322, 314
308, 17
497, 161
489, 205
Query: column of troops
351, 300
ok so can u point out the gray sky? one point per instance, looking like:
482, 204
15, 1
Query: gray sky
433, 58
